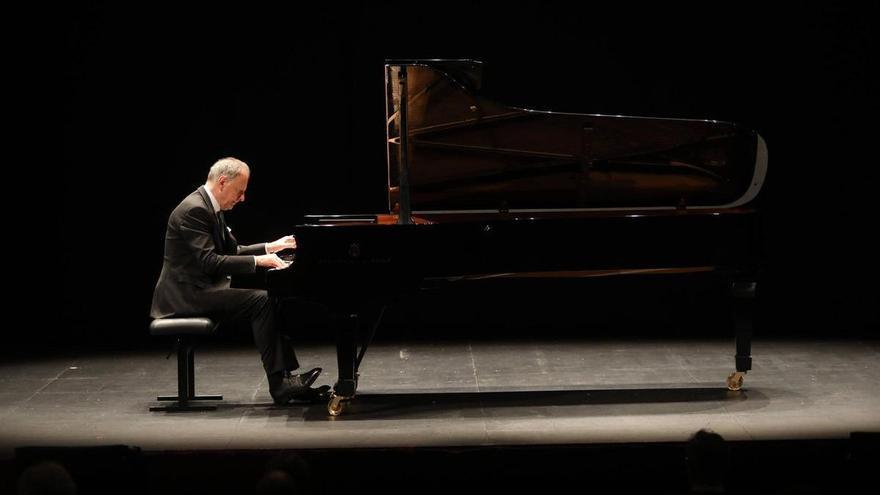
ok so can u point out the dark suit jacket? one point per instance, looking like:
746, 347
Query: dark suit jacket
197, 258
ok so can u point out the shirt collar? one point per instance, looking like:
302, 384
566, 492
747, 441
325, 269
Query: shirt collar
214, 202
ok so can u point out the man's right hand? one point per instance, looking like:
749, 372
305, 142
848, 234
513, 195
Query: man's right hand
270, 261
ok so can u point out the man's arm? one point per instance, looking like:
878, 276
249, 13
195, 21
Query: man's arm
286, 242
253, 249
264, 252
197, 230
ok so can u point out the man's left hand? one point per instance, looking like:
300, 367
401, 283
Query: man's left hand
286, 242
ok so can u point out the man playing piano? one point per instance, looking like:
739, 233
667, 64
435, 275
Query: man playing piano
201, 255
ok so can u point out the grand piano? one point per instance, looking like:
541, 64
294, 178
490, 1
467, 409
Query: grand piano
478, 190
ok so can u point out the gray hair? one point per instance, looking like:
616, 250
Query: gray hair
230, 167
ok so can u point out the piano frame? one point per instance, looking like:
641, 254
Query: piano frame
465, 203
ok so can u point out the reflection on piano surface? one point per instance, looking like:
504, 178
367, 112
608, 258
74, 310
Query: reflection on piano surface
479, 190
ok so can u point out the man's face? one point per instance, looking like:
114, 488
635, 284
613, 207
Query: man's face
230, 192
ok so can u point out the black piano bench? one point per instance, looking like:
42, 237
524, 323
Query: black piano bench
186, 330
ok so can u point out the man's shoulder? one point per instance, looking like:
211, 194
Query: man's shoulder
191, 204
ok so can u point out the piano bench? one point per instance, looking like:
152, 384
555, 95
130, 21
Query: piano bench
186, 331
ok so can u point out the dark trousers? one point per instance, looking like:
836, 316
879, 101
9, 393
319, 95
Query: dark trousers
275, 348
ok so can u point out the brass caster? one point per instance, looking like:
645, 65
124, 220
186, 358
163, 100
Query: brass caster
335, 406
735, 380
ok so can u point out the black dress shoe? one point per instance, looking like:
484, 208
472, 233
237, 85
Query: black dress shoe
305, 379
313, 395
283, 387
283, 394
281, 390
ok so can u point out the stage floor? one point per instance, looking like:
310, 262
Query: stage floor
455, 393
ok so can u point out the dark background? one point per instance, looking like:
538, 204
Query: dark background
154, 93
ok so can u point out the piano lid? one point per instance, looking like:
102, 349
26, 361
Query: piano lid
465, 153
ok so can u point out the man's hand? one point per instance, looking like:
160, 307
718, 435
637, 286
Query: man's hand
270, 261
286, 242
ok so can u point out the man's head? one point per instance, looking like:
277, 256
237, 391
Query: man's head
228, 180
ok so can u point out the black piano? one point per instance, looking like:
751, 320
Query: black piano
478, 190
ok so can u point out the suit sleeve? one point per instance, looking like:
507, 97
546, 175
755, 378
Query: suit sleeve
196, 227
253, 249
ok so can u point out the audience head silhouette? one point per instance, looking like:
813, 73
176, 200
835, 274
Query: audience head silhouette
277, 482
707, 459
286, 474
46, 478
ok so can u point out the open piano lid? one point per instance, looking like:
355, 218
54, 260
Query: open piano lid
467, 154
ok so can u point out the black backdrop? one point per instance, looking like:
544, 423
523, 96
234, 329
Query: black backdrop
155, 93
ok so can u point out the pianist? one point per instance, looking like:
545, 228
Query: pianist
201, 255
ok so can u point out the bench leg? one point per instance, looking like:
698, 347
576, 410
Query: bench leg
186, 383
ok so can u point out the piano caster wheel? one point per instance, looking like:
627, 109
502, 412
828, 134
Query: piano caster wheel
335, 406
735, 380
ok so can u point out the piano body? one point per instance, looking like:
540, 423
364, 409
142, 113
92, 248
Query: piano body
479, 190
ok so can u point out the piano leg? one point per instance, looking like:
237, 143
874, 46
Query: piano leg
346, 356
742, 311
